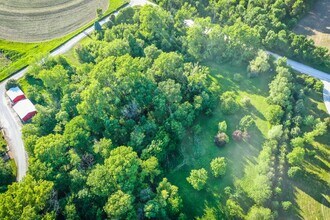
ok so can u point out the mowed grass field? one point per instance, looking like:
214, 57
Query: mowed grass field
198, 149
25, 53
40, 20
316, 24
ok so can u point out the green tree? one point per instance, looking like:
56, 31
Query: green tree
222, 126
27, 199
296, 156
120, 206
259, 213
228, 102
218, 166
198, 178
259, 65
275, 114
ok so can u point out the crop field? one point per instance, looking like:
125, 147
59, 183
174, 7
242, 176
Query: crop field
16, 55
316, 24
40, 20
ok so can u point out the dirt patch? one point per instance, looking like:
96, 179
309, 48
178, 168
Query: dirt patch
316, 24
40, 20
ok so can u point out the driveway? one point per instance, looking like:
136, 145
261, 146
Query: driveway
8, 119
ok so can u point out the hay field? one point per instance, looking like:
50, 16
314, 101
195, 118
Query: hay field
316, 24
40, 20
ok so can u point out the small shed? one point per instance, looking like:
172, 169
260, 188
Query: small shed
25, 109
15, 94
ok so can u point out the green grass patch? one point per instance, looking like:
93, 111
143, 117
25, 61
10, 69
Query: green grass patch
199, 149
29, 51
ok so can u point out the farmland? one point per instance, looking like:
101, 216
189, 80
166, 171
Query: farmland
16, 55
40, 20
316, 24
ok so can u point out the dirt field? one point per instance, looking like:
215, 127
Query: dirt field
316, 24
39, 20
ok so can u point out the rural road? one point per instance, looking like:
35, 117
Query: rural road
8, 119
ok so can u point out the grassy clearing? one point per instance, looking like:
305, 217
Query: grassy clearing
29, 51
199, 149
315, 24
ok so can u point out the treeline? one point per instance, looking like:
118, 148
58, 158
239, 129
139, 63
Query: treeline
282, 154
106, 129
272, 20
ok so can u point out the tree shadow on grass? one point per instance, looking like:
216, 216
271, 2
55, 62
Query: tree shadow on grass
315, 187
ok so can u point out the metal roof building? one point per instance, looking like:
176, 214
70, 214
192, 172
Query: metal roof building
25, 109
15, 94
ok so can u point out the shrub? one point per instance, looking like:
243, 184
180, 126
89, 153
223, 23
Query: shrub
218, 166
246, 122
221, 139
237, 77
198, 178
11, 83
228, 103
237, 135
222, 126
286, 205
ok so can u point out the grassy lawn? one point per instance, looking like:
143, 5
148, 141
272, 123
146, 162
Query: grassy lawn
199, 149
29, 51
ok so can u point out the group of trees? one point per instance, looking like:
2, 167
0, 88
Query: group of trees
106, 129
198, 178
263, 23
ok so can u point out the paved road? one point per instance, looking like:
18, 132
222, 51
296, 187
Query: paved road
8, 119
324, 77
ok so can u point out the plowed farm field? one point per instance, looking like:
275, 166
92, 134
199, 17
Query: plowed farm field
40, 20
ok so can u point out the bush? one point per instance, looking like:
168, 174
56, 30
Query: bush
221, 139
286, 205
11, 83
237, 135
228, 103
238, 77
218, 166
222, 127
246, 122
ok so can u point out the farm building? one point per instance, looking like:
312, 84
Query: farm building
25, 110
15, 94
